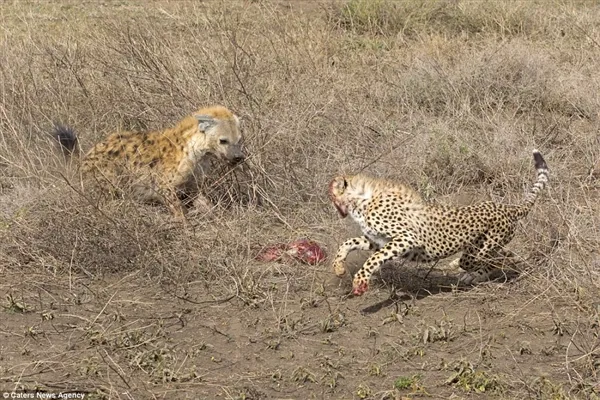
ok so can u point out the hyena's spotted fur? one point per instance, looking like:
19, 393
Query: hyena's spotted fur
155, 166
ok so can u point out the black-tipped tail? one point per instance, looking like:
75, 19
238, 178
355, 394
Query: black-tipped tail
543, 175
66, 137
540, 163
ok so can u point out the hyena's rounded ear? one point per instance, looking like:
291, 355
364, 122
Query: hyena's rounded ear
205, 122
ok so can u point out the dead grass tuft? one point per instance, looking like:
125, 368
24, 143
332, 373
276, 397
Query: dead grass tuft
472, 19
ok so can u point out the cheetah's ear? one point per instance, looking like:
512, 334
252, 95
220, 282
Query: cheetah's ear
205, 122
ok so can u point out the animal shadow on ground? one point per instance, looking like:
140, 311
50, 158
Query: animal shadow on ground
407, 281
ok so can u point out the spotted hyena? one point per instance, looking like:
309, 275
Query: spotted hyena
158, 166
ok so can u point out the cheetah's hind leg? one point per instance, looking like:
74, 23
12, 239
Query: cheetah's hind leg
480, 267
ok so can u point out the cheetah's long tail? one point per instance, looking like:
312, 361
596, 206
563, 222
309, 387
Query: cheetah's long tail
540, 183
67, 138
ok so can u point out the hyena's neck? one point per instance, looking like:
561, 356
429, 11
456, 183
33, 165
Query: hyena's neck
187, 138
183, 132
196, 148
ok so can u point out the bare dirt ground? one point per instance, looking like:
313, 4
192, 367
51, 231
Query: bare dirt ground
121, 301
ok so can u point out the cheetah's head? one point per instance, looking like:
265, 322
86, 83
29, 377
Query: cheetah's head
337, 189
223, 134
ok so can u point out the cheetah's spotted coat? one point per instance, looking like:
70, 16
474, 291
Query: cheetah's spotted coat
396, 222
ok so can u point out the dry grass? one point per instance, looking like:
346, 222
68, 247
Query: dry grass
119, 300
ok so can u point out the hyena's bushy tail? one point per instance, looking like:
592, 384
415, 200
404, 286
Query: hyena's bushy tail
67, 138
543, 176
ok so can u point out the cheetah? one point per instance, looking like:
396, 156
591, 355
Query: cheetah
158, 166
397, 222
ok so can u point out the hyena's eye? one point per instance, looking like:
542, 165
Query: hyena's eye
223, 141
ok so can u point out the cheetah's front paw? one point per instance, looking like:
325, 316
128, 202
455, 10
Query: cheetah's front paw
359, 286
338, 268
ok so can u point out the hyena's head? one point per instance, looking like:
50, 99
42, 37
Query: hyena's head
222, 130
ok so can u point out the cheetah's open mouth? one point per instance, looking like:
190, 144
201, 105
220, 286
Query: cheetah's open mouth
341, 210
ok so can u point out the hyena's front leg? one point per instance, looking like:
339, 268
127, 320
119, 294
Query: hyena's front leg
172, 201
357, 243
169, 186
166, 194
202, 202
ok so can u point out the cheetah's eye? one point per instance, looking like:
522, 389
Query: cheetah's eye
223, 141
345, 184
